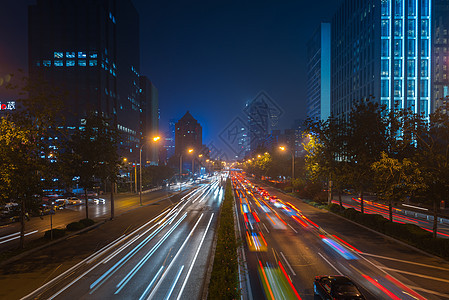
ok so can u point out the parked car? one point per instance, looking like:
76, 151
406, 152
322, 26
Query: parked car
99, 201
336, 287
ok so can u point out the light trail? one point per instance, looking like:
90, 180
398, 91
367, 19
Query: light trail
194, 258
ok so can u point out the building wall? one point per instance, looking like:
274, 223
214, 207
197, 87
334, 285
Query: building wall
188, 135
440, 53
89, 49
149, 102
319, 73
381, 51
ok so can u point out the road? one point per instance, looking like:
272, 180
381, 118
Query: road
165, 258
35, 228
287, 243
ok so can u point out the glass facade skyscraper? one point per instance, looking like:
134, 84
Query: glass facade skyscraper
381, 50
319, 73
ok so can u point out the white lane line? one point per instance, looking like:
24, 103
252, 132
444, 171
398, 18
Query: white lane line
428, 291
405, 261
151, 283
288, 264
7, 236
292, 228
174, 258
174, 283
15, 238
330, 264
265, 228
414, 274
194, 259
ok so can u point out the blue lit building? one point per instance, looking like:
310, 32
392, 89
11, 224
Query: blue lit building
319, 73
381, 50
90, 49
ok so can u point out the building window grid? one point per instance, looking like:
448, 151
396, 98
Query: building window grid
387, 5
404, 38
414, 57
426, 7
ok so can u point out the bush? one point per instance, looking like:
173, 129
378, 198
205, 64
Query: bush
57, 233
335, 208
75, 226
224, 281
87, 222
374, 221
350, 213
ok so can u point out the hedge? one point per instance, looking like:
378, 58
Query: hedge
409, 233
87, 222
57, 233
75, 226
224, 281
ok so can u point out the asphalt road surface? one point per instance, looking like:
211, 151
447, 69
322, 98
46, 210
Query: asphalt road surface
165, 258
287, 243
36, 226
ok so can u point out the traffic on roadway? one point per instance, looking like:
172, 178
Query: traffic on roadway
288, 255
165, 258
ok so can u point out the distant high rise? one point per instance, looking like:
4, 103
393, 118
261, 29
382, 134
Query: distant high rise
440, 53
258, 112
319, 73
149, 99
188, 135
381, 49
170, 138
90, 49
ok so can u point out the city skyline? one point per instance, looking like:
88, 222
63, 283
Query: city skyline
248, 47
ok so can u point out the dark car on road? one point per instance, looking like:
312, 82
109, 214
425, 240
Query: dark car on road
335, 287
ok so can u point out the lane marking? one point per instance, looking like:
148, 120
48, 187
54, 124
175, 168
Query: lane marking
428, 291
174, 283
151, 283
414, 274
288, 265
292, 228
15, 238
265, 227
194, 259
174, 258
405, 261
330, 264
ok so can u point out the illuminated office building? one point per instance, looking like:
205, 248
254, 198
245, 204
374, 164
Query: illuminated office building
381, 50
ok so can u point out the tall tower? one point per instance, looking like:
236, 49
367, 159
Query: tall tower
381, 50
188, 135
90, 49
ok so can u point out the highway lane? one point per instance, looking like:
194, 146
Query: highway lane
165, 258
295, 247
35, 228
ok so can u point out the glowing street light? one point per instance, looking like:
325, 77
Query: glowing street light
155, 140
283, 148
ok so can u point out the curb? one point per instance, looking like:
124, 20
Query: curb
372, 230
31, 251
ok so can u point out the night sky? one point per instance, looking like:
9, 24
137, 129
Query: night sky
208, 57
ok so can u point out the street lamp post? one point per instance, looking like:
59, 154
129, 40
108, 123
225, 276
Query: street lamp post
283, 148
155, 139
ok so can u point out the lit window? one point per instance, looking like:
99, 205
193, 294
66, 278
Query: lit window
424, 68
384, 88
58, 54
38, 63
82, 62
411, 47
70, 54
92, 63
398, 8
81, 54
424, 28
70, 63
384, 28
411, 88
385, 48
46, 63
384, 69
93, 54
424, 48
411, 7
385, 10
398, 28
411, 28
411, 68
425, 7
58, 63
398, 88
